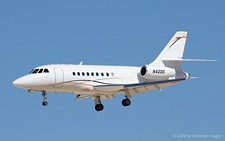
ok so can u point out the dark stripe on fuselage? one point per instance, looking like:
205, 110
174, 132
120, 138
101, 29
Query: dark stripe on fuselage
152, 83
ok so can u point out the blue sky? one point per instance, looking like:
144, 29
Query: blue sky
35, 33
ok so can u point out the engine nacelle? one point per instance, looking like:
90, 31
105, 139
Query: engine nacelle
155, 72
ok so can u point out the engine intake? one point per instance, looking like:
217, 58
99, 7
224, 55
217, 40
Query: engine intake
155, 72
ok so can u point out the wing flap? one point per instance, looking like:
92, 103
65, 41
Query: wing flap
108, 87
107, 96
85, 96
141, 89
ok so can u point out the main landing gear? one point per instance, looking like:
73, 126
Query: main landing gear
98, 105
45, 97
126, 101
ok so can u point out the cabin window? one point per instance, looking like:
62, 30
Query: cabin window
102, 74
92, 74
83, 73
107, 74
74, 74
87, 73
96, 74
112, 74
78, 73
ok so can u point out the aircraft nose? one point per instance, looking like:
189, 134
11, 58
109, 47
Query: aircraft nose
23, 82
17, 82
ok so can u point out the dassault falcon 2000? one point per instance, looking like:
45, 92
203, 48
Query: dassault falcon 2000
103, 82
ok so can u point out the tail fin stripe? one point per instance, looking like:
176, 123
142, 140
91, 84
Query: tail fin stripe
177, 38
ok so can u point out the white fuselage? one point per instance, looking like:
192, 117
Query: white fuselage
79, 79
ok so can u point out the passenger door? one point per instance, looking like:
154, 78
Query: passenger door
59, 77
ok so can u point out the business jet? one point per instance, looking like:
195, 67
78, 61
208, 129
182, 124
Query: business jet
104, 82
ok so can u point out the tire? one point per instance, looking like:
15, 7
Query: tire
99, 107
126, 102
44, 103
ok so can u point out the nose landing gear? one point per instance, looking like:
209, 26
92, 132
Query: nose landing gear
44, 103
45, 97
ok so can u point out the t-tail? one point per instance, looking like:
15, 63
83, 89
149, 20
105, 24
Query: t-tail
172, 55
168, 63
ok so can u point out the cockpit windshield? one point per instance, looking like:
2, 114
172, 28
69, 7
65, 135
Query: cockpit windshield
31, 71
39, 71
46, 71
35, 71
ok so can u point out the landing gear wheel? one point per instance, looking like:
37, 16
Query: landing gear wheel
99, 107
44, 103
126, 102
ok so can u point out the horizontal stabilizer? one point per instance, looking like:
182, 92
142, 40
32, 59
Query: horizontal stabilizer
188, 60
190, 78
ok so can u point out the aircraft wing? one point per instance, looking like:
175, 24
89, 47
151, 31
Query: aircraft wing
130, 88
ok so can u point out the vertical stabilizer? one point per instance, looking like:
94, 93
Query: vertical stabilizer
172, 51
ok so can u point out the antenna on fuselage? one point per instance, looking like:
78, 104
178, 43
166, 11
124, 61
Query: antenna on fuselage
81, 63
